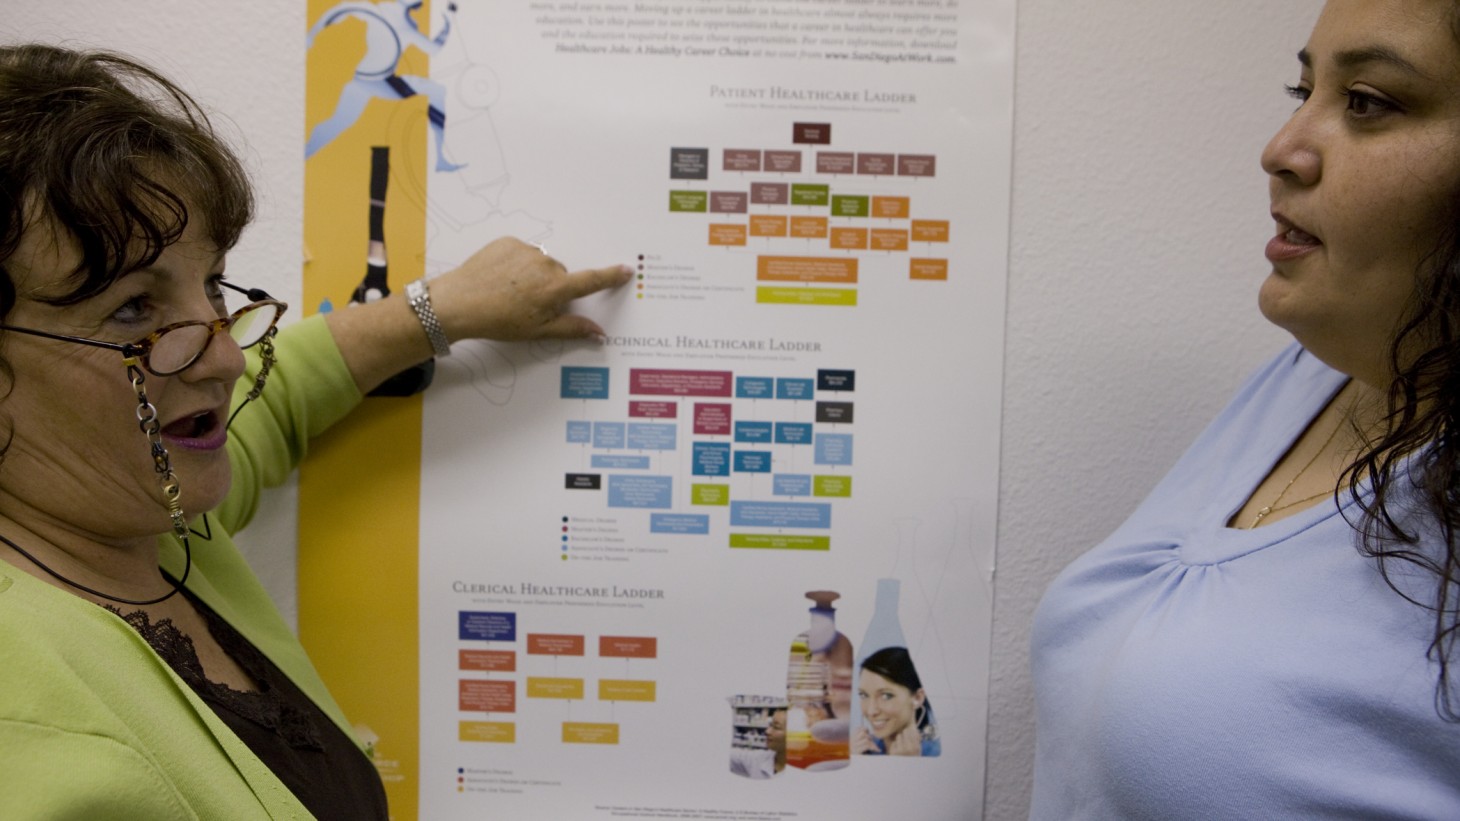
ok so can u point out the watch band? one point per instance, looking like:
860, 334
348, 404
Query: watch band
420, 300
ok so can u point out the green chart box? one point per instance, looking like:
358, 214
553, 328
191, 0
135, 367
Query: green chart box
847, 205
806, 296
840, 486
692, 202
776, 541
709, 494
810, 194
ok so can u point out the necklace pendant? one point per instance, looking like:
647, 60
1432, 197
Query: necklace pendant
1260, 515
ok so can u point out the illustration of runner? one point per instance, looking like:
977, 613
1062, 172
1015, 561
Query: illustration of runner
389, 30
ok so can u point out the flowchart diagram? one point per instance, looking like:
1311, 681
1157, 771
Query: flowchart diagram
812, 223
763, 459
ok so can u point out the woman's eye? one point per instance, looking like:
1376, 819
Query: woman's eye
132, 311
214, 289
1363, 104
1299, 93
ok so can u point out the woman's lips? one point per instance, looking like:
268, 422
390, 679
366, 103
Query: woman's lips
1291, 242
201, 431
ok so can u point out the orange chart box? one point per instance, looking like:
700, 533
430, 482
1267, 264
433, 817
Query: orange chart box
628, 647
892, 207
499, 661
806, 269
930, 230
889, 239
542, 687
928, 269
582, 732
625, 690
767, 225
494, 732
727, 235
809, 227
554, 644
849, 239
477, 695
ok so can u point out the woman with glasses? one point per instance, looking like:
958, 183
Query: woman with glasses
144, 672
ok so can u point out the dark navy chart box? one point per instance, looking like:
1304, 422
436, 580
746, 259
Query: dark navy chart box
583, 481
827, 380
477, 625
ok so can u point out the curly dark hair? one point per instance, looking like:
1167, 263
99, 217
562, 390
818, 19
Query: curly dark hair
115, 155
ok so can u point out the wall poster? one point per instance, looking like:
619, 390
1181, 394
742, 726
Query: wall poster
735, 562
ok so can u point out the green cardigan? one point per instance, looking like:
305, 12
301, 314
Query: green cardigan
92, 723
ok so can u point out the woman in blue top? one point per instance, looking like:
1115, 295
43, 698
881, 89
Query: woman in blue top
1272, 633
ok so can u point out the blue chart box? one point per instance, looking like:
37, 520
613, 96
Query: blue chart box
752, 461
795, 388
647, 436
793, 433
640, 491
780, 514
836, 380
477, 625
606, 461
711, 459
791, 484
754, 387
834, 449
687, 524
585, 383
753, 432
580, 433
608, 434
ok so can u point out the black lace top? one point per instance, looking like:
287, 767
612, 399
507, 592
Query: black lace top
288, 732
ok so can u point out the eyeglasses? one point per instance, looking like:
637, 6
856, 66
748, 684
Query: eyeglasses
171, 349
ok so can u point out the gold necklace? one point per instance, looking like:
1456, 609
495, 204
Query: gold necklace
1274, 507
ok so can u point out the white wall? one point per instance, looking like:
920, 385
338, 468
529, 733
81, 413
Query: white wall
1139, 217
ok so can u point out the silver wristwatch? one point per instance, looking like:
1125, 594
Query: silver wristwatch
420, 300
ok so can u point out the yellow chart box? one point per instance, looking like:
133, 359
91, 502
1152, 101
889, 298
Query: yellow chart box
491, 732
727, 235
810, 227
767, 225
892, 207
625, 690
709, 494
849, 239
777, 541
889, 239
840, 486
930, 230
538, 687
806, 296
935, 269
581, 732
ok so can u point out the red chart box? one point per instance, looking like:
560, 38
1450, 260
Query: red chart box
500, 661
657, 382
712, 419
553, 644
476, 695
653, 410
628, 647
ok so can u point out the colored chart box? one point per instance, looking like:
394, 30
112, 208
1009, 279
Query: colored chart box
754, 387
836, 380
584, 383
849, 239
849, 205
542, 687
605, 461
933, 269
838, 486
728, 235
754, 432
783, 162
836, 162
791, 484
643, 492
583, 481
930, 230
689, 202
810, 227
490, 732
628, 647
741, 159
795, 389
768, 225
654, 410
916, 165
710, 495
837, 270
810, 194
892, 208
840, 297
780, 514
608, 435
555, 644
793, 433
580, 433
476, 625
833, 449
649, 436
481, 695
679, 524
582, 732
836, 413
877, 165
493, 661
811, 133
689, 163
710, 459
752, 461
888, 239
610, 689
712, 419
777, 541
729, 202
770, 193
656, 382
